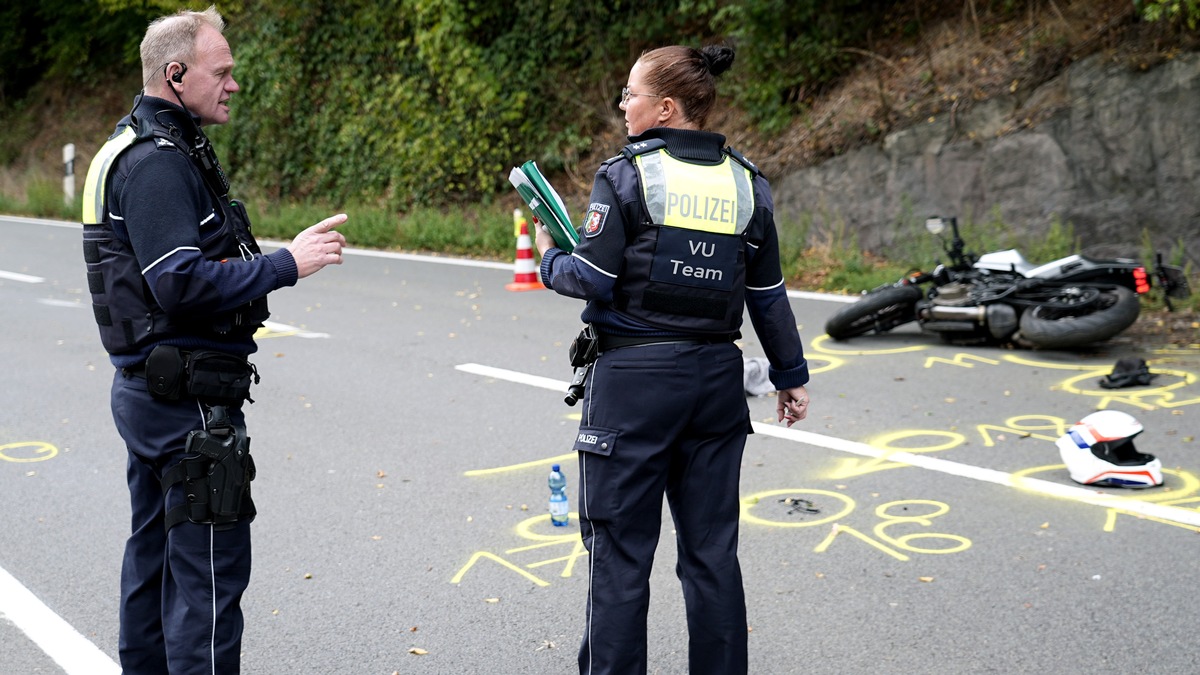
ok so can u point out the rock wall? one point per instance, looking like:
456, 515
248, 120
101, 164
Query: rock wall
1116, 155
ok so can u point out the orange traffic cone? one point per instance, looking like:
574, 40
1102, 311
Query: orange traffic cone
525, 272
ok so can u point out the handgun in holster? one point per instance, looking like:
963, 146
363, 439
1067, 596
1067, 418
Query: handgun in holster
584, 350
216, 475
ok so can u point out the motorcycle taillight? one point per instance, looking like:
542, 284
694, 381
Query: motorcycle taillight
1141, 282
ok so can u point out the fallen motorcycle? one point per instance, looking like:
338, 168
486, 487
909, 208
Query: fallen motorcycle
1002, 298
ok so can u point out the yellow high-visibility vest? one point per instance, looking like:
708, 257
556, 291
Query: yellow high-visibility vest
718, 198
95, 188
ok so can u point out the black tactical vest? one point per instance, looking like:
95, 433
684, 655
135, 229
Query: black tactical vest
685, 269
125, 311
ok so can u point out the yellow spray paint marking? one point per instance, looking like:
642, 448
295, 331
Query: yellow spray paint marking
1052, 365
761, 497
484, 555
519, 467
818, 343
845, 529
525, 530
831, 362
28, 451
1025, 425
848, 467
1110, 522
1146, 398
960, 360
904, 542
1179, 494
571, 537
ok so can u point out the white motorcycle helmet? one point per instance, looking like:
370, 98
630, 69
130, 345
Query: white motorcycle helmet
1098, 450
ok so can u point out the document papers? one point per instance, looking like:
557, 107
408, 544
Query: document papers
545, 203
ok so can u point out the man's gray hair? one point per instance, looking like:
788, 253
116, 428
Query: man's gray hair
173, 38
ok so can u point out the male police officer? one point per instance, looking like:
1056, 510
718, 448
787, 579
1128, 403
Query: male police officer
179, 287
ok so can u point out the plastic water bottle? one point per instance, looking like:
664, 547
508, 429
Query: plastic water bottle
558, 497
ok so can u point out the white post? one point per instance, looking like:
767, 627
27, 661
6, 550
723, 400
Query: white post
69, 174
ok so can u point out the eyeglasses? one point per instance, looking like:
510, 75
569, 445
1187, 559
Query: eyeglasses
626, 95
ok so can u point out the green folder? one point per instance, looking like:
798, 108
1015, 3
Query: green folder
545, 203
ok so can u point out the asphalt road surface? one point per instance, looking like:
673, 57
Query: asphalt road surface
920, 521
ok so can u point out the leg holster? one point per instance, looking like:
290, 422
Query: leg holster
215, 476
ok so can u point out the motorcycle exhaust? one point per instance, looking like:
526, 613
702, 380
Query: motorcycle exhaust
945, 313
1000, 319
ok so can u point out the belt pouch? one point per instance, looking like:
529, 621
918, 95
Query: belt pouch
219, 379
164, 373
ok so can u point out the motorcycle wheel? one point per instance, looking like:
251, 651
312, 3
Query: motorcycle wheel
1049, 327
877, 312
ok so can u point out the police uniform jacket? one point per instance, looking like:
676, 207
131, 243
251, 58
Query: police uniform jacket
612, 270
170, 259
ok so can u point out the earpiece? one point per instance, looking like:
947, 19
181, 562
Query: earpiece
178, 76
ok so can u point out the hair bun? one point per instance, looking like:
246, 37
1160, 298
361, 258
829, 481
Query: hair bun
718, 58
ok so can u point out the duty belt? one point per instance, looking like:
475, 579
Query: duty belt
212, 377
609, 342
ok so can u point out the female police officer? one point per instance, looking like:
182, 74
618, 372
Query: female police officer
678, 238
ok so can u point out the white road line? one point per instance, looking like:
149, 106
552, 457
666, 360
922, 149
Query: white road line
42, 221
513, 376
1047, 488
463, 262
17, 276
271, 243
274, 330
824, 297
57, 638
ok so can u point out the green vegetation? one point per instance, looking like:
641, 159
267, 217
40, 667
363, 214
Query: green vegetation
410, 103
481, 231
1177, 12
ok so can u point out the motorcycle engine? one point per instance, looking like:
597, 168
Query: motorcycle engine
953, 294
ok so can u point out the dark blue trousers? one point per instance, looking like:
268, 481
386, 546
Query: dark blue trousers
180, 591
665, 418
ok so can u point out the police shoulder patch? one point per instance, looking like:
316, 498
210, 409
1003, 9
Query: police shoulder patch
594, 222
